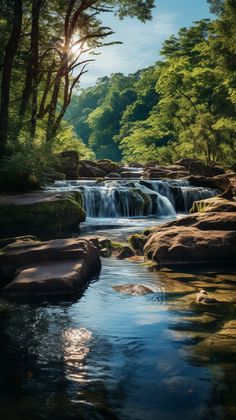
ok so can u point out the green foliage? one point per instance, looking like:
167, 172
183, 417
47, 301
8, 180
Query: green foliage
41, 69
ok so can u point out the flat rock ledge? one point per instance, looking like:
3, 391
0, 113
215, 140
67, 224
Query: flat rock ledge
201, 238
40, 212
57, 268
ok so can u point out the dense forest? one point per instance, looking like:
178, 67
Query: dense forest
45, 48
182, 106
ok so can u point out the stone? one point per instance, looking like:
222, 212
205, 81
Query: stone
59, 267
135, 290
203, 298
89, 169
214, 204
68, 163
137, 242
220, 182
125, 252
108, 166
196, 167
6, 241
113, 175
203, 239
40, 212
50, 175
130, 175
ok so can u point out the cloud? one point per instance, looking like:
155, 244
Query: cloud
140, 48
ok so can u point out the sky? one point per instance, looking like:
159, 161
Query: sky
142, 42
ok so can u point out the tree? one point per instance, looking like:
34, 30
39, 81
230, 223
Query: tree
9, 55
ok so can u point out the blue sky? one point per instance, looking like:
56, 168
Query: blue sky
142, 42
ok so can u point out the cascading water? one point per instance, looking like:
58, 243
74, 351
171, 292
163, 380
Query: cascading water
115, 199
135, 198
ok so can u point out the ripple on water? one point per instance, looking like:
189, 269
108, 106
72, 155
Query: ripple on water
113, 355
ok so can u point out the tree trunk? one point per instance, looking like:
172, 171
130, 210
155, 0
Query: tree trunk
37, 4
31, 80
10, 52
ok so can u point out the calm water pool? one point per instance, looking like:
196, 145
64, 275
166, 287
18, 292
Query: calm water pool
116, 356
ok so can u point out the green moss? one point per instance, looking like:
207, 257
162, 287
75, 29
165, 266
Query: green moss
142, 198
52, 215
199, 206
117, 246
137, 241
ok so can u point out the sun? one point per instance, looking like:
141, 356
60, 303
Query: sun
77, 48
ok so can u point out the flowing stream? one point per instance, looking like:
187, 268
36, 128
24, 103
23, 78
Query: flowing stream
113, 355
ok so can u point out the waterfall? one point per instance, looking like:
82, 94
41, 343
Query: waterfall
191, 194
135, 198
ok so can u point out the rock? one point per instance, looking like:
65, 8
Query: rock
137, 242
51, 175
228, 194
165, 173
220, 182
214, 204
108, 166
136, 165
69, 163
207, 238
151, 164
89, 169
217, 170
125, 252
113, 176
203, 298
196, 167
42, 212
132, 175
6, 241
135, 289
56, 268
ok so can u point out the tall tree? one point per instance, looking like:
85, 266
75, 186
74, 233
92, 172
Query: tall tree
9, 55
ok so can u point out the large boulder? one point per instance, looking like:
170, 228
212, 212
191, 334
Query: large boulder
69, 163
214, 204
219, 182
202, 238
108, 166
171, 172
196, 167
40, 213
56, 268
89, 169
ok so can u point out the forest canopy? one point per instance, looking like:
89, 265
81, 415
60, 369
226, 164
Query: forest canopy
45, 48
184, 105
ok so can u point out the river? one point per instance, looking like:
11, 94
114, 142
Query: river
111, 355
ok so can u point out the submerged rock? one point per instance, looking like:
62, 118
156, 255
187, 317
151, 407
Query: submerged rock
125, 252
203, 298
134, 289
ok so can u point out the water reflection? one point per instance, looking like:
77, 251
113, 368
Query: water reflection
113, 356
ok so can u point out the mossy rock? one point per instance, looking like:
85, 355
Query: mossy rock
137, 241
216, 204
116, 246
40, 213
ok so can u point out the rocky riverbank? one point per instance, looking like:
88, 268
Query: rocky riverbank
57, 268
40, 213
204, 237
